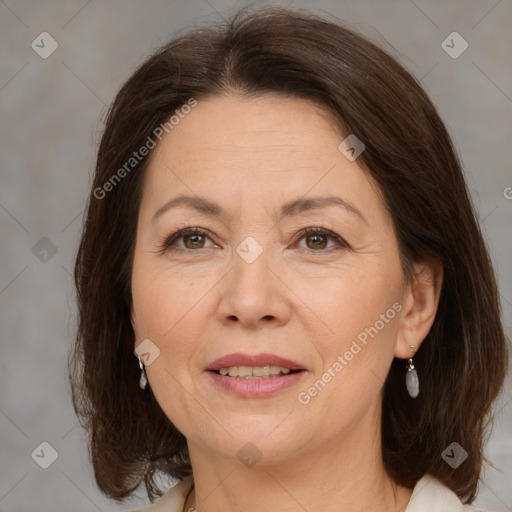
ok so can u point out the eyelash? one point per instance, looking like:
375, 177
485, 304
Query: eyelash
173, 237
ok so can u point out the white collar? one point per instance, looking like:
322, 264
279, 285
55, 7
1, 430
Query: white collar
429, 495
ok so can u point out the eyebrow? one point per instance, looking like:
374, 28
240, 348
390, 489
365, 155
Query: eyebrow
289, 209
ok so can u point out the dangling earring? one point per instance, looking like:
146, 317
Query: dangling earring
143, 381
412, 383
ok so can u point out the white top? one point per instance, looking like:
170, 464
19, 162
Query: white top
429, 495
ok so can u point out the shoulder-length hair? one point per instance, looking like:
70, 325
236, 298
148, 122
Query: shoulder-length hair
409, 154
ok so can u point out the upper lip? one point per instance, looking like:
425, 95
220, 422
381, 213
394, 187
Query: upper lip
238, 359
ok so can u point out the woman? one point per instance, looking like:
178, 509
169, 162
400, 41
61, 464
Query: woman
280, 232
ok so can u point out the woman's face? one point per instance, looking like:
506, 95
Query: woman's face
252, 287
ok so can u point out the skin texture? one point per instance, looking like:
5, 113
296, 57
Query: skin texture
304, 298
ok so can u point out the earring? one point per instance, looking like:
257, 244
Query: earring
412, 382
143, 381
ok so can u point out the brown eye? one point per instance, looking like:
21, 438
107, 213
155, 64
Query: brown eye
316, 241
193, 241
186, 239
321, 240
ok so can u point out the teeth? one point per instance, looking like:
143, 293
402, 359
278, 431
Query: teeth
254, 372
261, 371
243, 371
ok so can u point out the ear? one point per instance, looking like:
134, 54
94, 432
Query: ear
420, 302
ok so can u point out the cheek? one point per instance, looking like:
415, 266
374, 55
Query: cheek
351, 300
358, 310
169, 311
357, 350
169, 307
162, 297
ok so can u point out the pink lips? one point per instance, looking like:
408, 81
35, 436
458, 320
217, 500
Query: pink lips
255, 388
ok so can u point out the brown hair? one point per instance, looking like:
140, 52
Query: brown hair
409, 154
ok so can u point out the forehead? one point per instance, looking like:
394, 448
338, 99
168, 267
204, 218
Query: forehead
259, 147
272, 127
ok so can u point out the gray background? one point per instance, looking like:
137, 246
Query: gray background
51, 121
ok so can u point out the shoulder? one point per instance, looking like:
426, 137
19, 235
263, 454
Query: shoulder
431, 495
173, 500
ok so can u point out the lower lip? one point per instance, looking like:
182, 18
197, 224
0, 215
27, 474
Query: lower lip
256, 388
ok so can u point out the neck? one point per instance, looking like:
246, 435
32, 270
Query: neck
345, 474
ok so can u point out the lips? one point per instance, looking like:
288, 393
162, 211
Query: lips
264, 375
239, 359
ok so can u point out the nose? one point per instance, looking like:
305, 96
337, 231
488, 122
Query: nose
253, 296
